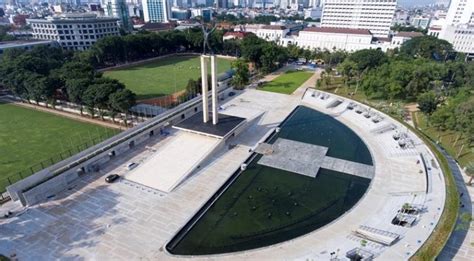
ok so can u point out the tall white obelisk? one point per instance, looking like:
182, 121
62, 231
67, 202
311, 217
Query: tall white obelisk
215, 100
204, 83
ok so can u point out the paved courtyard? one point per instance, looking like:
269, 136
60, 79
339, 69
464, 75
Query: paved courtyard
127, 221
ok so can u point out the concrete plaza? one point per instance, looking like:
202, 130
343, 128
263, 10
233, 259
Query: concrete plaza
127, 221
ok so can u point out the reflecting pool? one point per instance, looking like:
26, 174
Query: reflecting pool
262, 206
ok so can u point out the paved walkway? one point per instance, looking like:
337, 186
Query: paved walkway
460, 245
126, 221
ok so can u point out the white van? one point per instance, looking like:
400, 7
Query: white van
132, 165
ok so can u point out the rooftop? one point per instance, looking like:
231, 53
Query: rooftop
274, 27
74, 18
409, 34
236, 34
158, 26
195, 124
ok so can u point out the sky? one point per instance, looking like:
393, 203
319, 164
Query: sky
408, 3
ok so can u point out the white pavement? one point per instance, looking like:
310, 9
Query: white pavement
126, 221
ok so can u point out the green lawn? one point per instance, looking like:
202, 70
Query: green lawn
448, 140
28, 137
163, 76
288, 82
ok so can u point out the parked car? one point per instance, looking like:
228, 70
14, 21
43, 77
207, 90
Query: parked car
112, 178
132, 165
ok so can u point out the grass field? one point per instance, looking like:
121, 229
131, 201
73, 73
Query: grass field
28, 137
158, 78
448, 140
287, 83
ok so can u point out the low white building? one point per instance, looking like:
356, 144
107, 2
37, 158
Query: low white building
334, 39
401, 37
272, 32
267, 32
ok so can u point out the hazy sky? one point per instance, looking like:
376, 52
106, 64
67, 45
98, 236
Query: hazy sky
415, 2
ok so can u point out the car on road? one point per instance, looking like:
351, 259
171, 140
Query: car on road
132, 165
111, 178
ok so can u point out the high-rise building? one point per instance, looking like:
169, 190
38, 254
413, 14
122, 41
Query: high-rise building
74, 31
156, 11
460, 12
373, 15
458, 28
118, 9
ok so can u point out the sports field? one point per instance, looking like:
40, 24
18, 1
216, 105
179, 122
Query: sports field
288, 82
28, 137
163, 76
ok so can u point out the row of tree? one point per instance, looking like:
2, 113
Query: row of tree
113, 50
46, 74
4, 36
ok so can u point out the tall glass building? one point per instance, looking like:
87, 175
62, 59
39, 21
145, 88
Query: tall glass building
156, 11
118, 9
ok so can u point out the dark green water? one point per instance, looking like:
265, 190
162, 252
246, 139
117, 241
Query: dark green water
264, 206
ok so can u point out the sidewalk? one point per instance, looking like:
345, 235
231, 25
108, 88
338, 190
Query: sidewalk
460, 245
310, 83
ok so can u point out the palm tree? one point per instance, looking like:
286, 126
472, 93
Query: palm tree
469, 169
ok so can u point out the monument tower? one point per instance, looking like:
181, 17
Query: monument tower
205, 85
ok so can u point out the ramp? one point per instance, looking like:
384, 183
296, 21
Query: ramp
349, 167
173, 162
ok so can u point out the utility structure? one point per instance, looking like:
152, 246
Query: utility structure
205, 84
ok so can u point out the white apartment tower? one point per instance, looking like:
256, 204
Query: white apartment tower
373, 15
459, 26
156, 11
460, 12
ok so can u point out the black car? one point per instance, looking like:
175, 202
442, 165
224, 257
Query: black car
112, 178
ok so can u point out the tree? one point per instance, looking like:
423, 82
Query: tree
121, 101
242, 75
428, 102
368, 59
469, 169
348, 69
428, 47
192, 88
97, 94
75, 89
110, 50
